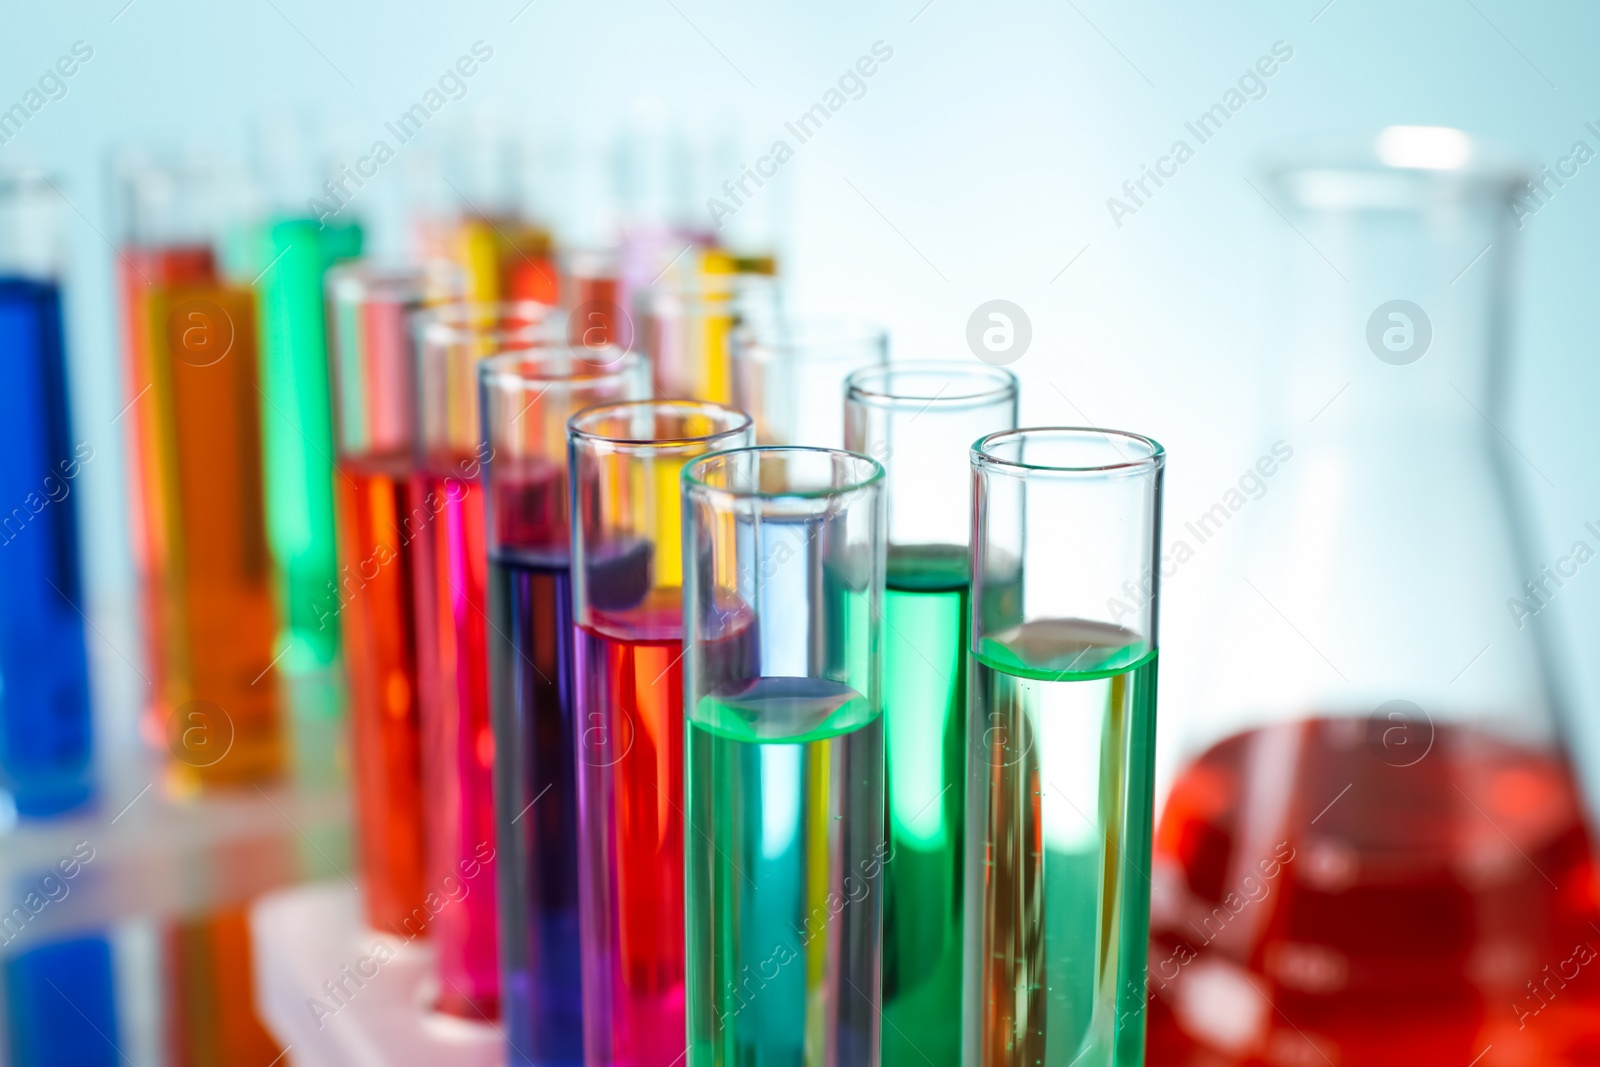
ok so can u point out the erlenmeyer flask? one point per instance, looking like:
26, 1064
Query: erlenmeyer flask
1376, 853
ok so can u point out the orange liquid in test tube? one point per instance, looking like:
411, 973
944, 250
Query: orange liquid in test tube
217, 619
141, 271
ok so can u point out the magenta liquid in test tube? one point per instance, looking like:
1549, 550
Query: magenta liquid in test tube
527, 397
448, 591
627, 569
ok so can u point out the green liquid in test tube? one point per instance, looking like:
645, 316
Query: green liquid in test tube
1066, 529
292, 255
919, 418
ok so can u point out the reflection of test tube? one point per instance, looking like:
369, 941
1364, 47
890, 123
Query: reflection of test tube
919, 419
218, 627
370, 320
528, 396
627, 570
210, 991
45, 722
1066, 530
784, 569
448, 560
61, 1003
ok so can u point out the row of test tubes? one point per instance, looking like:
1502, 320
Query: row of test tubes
718, 688
707, 697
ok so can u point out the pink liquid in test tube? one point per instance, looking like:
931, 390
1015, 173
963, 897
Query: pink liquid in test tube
449, 585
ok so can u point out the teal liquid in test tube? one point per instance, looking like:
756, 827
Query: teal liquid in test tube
919, 419
291, 257
785, 850
1066, 527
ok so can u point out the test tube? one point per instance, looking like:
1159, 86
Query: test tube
687, 324
370, 319
789, 374
505, 258
218, 624
528, 396
591, 294
448, 598
290, 258
1065, 592
169, 216
627, 570
784, 567
45, 719
919, 419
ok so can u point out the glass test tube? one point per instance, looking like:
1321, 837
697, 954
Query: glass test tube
627, 570
505, 258
688, 320
170, 215
591, 294
290, 258
218, 623
45, 718
789, 374
528, 396
919, 419
370, 321
1066, 528
448, 592
787, 851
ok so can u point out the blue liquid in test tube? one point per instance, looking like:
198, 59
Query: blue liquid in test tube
44, 676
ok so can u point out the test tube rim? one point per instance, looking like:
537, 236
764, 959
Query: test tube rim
390, 282
497, 370
985, 460
806, 335
696, 487
732, 421
1005, 384
447, 323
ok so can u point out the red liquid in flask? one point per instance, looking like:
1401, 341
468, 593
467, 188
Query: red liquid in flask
1330, 892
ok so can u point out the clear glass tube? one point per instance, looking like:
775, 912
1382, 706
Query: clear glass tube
919, 419
46, 743
371, 313
168, 217
627, 572
528, 396
449, 591
1065, 597
790, 375
784, 565
687, 324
